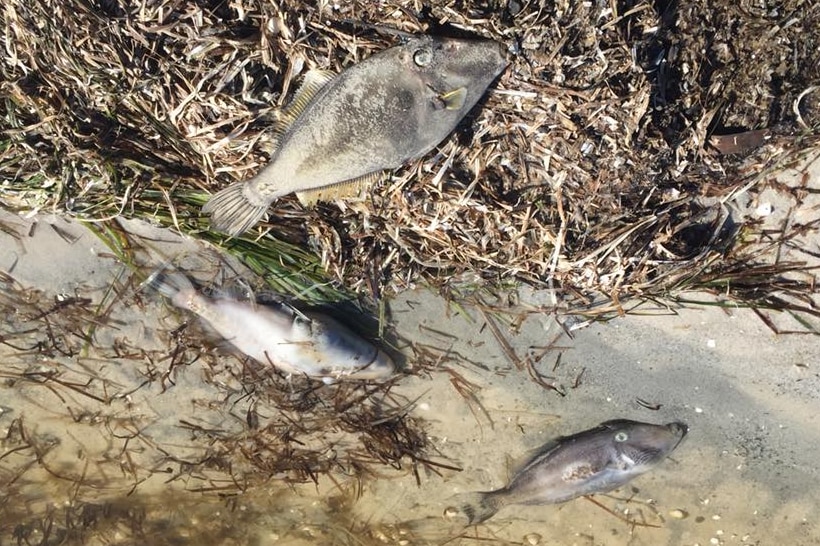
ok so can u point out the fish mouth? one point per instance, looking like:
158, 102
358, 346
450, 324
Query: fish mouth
679, 429
508, 52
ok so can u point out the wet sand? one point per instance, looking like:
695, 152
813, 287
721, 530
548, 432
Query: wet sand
745, 474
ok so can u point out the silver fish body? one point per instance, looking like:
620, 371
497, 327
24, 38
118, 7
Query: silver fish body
340, 132
593, 461
297, 343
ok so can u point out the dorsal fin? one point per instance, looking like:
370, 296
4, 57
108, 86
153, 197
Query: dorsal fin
348, 188
313, 82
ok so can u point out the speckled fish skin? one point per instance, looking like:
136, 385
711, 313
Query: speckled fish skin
593, 461
297, 343
396, 105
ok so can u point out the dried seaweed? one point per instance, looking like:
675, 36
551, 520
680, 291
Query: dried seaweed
586, 168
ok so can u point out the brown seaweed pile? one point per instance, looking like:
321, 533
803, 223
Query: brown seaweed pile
607, 161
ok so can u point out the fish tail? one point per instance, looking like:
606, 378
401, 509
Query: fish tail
172, 284
232, 212
480, 506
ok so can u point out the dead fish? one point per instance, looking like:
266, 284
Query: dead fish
301, 343
342, 132
594, 461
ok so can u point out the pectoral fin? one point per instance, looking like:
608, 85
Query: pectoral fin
455, 99
302, 328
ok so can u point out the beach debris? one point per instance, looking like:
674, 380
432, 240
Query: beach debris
677, 513
339, 133
533, 539
594, 461
300, 343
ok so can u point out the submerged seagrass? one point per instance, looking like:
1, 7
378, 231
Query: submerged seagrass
340, 132
594, 461
301, 343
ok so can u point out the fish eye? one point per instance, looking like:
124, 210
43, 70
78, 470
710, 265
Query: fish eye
621, 436
422, 57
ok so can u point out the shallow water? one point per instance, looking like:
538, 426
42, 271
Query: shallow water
117, 428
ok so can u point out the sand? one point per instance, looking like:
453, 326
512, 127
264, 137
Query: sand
116, 424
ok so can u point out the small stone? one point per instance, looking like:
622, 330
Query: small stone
532, 539
764, 209
677, 513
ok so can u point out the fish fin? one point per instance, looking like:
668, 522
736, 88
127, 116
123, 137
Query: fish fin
537, 456
231, 211
302, 327
480, 506
455, 99
349, 188
170, 283
312, 83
